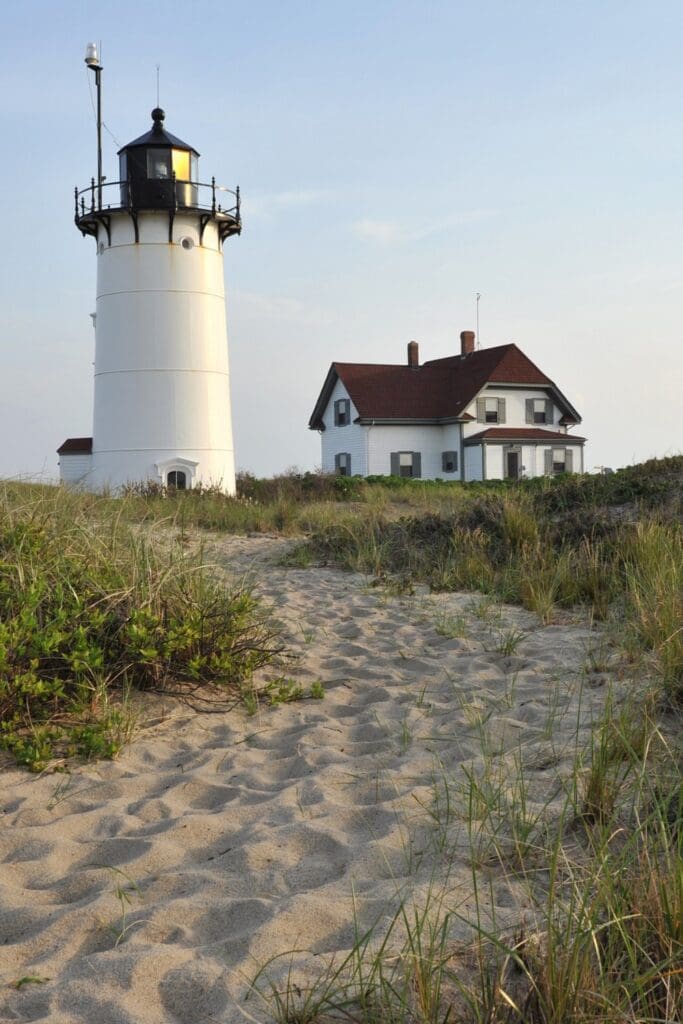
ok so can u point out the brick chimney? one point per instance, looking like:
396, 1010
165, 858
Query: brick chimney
466, 343
413, 355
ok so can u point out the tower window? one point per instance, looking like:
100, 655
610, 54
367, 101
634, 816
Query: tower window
177, 479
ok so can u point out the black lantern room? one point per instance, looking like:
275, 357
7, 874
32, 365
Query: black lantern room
158, 171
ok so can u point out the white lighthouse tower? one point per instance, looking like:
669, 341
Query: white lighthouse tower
162, 386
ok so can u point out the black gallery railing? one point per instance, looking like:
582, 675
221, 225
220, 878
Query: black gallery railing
157, 193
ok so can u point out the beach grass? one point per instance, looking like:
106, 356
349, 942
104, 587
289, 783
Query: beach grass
600, 940
101, 600
98, 602
94, 611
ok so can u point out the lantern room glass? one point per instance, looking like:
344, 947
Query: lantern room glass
159, 163
181, 164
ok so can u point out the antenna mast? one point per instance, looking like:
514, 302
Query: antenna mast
478, 341
92, 60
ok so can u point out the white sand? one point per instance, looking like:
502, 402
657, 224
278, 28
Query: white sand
232, 839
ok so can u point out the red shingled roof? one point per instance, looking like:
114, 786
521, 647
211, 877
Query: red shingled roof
440, 389
521, 434
76, 446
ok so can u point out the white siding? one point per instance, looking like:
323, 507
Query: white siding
473, 467
493, 462
370, 446
74, 469
350, 438
531, 462
430, 442
515, 409
532, 456
451, 437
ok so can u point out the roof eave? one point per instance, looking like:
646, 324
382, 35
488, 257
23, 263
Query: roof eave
316, 421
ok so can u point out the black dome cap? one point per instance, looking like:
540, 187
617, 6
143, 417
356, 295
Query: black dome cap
158, 136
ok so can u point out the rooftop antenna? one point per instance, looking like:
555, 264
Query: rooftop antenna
157, 85
478, 341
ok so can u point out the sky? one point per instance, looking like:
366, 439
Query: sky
395, 159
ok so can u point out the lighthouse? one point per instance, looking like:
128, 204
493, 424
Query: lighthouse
161, 409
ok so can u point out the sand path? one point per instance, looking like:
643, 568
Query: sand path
152, 888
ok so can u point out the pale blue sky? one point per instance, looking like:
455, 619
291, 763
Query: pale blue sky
395, 158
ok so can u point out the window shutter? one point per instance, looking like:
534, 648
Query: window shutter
336, 463
549, 410
347, 410
395, 469
501, 410
481, 410
336, 414
417, 465
455, 461
529, 406
348, 463
548, 462
568, 460
444, 462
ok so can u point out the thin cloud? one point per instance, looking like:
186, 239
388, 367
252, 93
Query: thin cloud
268, 205
256, 306
392, 232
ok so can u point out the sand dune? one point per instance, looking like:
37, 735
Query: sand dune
152, 889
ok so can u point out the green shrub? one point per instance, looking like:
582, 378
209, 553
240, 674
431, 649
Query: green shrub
90, 608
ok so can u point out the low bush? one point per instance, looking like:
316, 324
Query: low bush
91, 610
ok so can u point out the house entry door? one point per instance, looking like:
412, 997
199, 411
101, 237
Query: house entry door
512, 465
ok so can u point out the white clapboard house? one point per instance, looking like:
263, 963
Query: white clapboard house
485, 414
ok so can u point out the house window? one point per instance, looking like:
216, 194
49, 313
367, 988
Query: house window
177, 479
342, 412
449, 462
491, 410
539, 410
558, 460
342, 464
406, 464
